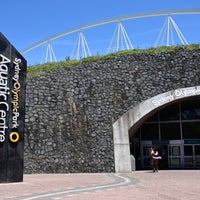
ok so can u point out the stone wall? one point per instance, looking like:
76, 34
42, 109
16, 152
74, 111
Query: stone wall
70, 112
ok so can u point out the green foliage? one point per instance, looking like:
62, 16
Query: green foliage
47, 67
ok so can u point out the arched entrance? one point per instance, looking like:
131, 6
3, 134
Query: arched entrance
126, 126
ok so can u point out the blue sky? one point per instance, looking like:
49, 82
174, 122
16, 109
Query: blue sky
25, 22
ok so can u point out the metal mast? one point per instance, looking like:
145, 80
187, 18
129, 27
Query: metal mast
83, 50
50, 55
166, 33
120, 39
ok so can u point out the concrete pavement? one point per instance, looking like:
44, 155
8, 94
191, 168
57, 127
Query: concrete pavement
139, 185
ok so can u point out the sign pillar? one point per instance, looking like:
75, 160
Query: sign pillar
12, 112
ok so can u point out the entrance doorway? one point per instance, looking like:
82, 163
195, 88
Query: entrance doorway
175, 155
146, 155
174, 131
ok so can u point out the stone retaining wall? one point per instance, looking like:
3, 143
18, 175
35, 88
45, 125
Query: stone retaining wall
70, 112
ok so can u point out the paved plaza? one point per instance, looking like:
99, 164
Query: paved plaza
139, 185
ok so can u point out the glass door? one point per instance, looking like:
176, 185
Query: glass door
146, 156
174, 156
192, 156
197, 155
189, 160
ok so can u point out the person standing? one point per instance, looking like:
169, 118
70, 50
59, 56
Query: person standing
154, 157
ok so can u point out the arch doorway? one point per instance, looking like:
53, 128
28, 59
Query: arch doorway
175, 131
169, 121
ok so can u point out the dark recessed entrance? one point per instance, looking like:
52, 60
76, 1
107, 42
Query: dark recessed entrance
175, 132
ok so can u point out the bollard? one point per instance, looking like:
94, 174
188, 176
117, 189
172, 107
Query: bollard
132, 163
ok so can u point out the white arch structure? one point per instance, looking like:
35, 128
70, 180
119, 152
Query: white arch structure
125, 122
111, 20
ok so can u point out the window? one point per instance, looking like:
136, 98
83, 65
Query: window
170, 113
147, 151
174, 151
188, 151
191, 130
153, 118
197, 150
149, 132
190, 110
170, 131
175, 122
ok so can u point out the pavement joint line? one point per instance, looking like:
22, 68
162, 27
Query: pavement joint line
124, 181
